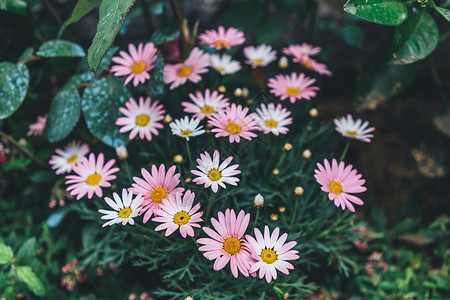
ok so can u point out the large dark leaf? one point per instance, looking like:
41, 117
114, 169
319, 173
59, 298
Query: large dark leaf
14, 80
156, 82
442, 11
60, 48
82, 8
16, 6
385, 12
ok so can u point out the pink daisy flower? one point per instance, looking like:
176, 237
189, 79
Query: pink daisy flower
294, 87
301, 51
222, 39
64, 160
212, 174
260, 56
339, 181
226, 244
38, 127
177, 213
195, 64
136, 64
234, 122
271, 253
125, 209
141, 118
155, 188
354, 129
91, 176
273, 119
313, 65
205, 105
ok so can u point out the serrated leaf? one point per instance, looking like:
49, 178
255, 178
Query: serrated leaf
112, 15
60, 48
27, 252
415, 39
26, 275
269, 30
82, 8
385, 12
6, 254
155, 86
14, 80
100, 105
16, 6
17, 164
164, 35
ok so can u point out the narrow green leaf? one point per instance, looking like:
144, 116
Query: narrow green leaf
26, 275
385, 12
60, 48
155, 86
14, 80
415, 39
6, 254
26, 54
16, 6
17, 164
442, 11
82, 8
100, 105
112, 15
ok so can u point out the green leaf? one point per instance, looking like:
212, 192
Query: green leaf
155, 86
27, 252
378, 82
26, 275
100, 105
60, 48
6, 254
442, 122
17, 164
82, 8
14, 80
415, 39
16, 6
107, 60
164, 35
385, 12
26, 54
112, 15
269, 30
442, 11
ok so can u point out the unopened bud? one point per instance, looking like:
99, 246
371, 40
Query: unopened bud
274, 217
307, 154
178, 159
299, 190
276, 171
282, 209
286, 295
238, 92
283, 63
122, 152
168, 118
222, 89
189, 298
287, 146
245, 92
258, 201
188, 180
313, 112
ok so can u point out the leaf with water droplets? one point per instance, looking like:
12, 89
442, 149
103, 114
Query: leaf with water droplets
14, 80
60, 48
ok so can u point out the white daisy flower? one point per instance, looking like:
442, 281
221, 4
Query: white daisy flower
354, 129
64, 160
205, 105
260, 56
125, 209
186, 128
224, 65
212, 174
273, 119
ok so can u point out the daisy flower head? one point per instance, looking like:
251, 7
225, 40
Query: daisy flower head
294, 87
125, 209
234, 122
340, 181
186, 128
260, 56
354, 129
155, 187
224, 64
271, 253
273, 118
313, 65
226, 243
177, 212
212, 174
38, 127
92, 176
141, 118
64, 160
205, 105
222, 39
177, 74
301, 51
136, 64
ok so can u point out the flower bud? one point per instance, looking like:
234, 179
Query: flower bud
299, 190
274, 217
287, 146
168, 118
258, 201
222, 89
245, 92
283, 63
282, 209
307, 154
178, 159
276, 171
122, 152
238, 92
313, 112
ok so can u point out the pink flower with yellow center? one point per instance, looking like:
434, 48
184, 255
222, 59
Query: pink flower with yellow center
340, 181
222, 39
260, 56
294, 87
301, 51
205, 105
312, 65
92, 176
354, 129
64, 160
177, 74
136, 64
233, 122
38, 127
155, 187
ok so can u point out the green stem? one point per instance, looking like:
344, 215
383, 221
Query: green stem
189, 154
148, 230
179, 17
344, 152
208, 208
23, 149
127, 169
256, 218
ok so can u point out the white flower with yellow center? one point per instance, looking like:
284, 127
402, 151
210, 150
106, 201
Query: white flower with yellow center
273, 118
260, 56
354, 129
186, 128
64, 160
224, 64
125, 209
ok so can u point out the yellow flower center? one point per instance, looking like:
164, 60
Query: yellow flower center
185, 133
292, 91
214, 174
307, 64
125, 212
72, 159
221, 70
268, 256
351, 134
335, 187
93, 179
233, 128
232, 245
184, 71
142, 120
158, 194
258, 61
138, 67
271, 123
181, 218
207, 109
220, 44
